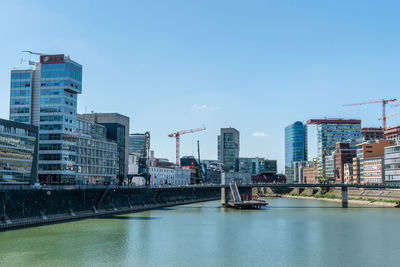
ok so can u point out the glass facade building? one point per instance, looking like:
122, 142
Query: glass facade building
137, 143
295, 147
96, 157
255, 166
250, 165
46, 96
18, 152
230, 146
392, 164
330, 132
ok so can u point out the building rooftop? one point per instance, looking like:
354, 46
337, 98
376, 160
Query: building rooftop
338, 121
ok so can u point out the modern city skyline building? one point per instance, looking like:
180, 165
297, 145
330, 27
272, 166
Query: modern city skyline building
298, 171
344, 153
250, 165
392, 164
295, 147
270, 166
331, 131
45, 95
219, 147
393, 133
96, 156
136, 142
373, 170
310, 172
139, 144
371, 133
18, 152
230, 147
117, 126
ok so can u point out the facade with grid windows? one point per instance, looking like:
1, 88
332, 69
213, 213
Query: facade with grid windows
46, 96
96, 157
295, 147
18, 152
229, 147
329, 132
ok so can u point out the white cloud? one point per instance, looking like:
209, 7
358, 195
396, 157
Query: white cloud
203, 107
259, 134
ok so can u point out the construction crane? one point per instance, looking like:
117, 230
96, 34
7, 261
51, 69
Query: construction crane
395, 105
384, 103
390, 115
177, 135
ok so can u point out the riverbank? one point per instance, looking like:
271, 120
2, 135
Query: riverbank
29, 208
363, 202
61, 218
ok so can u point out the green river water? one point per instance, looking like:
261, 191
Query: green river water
289, 232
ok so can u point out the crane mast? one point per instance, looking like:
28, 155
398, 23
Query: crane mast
177, 136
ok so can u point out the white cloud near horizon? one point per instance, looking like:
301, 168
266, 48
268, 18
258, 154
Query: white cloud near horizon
203, 107
259, 134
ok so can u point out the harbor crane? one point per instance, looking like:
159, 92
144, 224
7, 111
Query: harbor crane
384, 103
177, 136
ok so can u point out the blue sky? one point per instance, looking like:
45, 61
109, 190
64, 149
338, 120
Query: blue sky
253, 65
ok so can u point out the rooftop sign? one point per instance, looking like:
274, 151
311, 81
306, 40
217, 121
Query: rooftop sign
48, 59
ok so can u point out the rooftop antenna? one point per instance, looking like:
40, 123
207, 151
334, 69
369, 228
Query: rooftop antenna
29, 61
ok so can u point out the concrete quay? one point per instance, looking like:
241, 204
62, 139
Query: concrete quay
28, 208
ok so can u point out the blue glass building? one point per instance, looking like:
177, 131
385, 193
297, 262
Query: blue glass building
331, 131
46, 96
295, 147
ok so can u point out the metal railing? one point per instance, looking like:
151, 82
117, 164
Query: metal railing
235, 193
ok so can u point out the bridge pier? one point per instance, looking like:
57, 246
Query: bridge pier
345, 197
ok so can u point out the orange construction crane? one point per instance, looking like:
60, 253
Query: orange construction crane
384, 102
177, 135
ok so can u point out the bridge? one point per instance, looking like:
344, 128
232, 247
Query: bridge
226, 195
247, 189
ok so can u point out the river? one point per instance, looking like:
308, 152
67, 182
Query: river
289, 232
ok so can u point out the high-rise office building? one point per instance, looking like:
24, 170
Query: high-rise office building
45, 95
295, 147
331, 131
117, 126
230, 146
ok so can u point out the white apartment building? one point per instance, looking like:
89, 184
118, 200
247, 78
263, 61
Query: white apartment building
169, 176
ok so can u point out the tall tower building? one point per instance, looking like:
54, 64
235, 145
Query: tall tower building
295, 147
45, 95
229, 147
331, 131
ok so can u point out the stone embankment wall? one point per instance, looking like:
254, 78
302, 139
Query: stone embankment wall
24, 208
